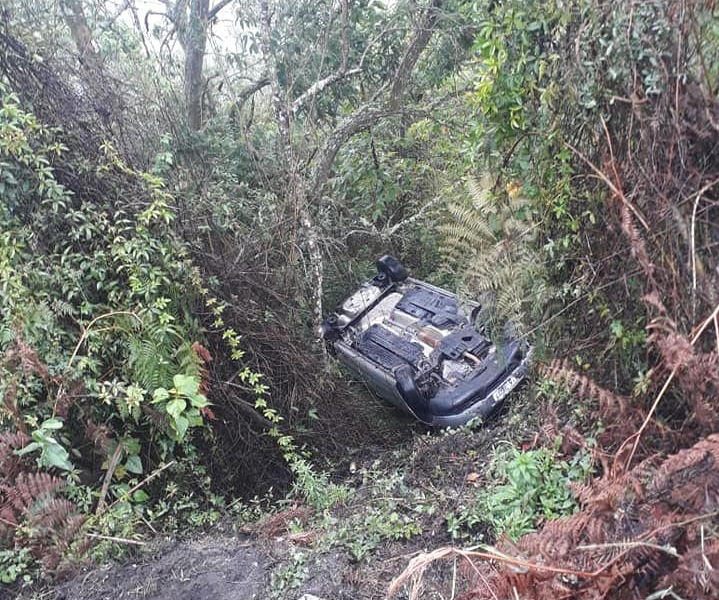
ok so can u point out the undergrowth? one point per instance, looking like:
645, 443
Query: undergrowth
524, 489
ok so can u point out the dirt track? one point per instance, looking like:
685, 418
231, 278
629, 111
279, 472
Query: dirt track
220, 569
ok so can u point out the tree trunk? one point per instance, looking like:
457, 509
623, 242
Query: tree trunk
195, 44
76, 20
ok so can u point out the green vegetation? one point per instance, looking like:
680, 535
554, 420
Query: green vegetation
526, 488
184, 191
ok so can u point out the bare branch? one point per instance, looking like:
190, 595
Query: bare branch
345, 36
249, 91
76, 20
319, 86
360, 120
217, 8
159, 14
114, 17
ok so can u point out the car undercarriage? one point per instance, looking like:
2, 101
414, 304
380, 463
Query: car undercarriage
419, 347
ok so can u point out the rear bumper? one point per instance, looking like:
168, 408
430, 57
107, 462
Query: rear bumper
384, 384
483, 408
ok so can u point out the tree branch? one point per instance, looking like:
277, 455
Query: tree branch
76, 20
363, 118
319, 86
421, 38
217, 8
283, 124
249, 91
195, 44
344, 35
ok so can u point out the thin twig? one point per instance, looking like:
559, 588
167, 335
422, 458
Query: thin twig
111, 466
86, 331
133, 489
9, 523
637, 436
629, 545
119, 540
693, 254
83, 337
618, 192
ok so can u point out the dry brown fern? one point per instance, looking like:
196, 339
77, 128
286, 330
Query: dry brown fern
619, 416
611, 405
33, 512
651, 528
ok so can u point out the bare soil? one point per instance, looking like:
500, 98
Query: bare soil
219, 568
229, 566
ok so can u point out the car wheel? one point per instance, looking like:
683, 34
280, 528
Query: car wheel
392, 268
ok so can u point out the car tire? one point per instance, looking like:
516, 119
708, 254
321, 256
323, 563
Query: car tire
391, 267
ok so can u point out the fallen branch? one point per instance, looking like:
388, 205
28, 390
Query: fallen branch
420, 562
133, 489
111, 466
119, 540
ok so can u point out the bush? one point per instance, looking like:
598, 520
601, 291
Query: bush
527, 488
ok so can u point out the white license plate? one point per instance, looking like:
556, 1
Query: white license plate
505, 388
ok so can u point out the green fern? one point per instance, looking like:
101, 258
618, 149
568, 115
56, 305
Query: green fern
152, 356
489, 245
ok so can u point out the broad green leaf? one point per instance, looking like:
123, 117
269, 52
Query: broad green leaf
176, 407
186, 384
140, 496
54, 455
31, 447
181, 425
159, 395
132, 445
51, 424
134, 464
198, 400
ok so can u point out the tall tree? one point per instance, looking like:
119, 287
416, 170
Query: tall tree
201, 15
304, 185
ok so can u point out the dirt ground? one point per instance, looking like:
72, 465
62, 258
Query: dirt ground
220, 568
238, 569
225, 565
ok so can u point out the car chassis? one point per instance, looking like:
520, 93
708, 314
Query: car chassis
416, 346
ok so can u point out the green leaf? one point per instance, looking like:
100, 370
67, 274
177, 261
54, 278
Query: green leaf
198, 400
51, 424
54, 455
134, 464
159, 395
176, 407
181, 425
132, 445
186, 384
31, 447
140, 496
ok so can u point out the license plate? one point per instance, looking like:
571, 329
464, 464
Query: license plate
505, 388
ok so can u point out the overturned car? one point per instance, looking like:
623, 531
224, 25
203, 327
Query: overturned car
417, 346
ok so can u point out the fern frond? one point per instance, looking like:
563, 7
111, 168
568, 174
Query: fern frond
151, 363
469, 221
490, 243
611, 405
480, 192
